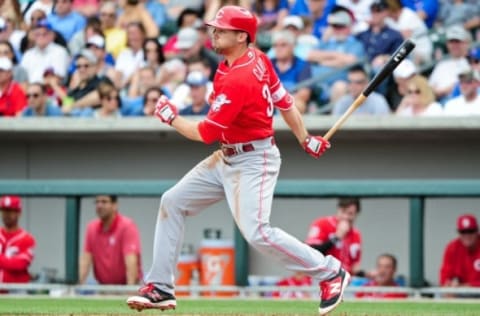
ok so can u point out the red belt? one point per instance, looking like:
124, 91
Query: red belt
230, 150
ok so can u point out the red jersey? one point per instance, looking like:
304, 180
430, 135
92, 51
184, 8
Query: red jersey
12, 100
348, 250
461, 263
109, 248
244, 96
16, 255
380, 294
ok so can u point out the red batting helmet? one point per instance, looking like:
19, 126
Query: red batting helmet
237, 18
11, 202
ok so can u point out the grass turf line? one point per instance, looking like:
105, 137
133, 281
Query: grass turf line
99, 306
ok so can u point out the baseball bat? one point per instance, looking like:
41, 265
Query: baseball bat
402, 51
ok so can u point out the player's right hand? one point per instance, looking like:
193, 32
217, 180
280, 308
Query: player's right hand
165, 110
315, 146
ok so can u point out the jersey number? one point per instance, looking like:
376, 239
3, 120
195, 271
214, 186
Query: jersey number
268, 96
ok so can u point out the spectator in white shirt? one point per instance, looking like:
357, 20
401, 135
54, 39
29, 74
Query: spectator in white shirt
409, 23
445, 74
131, 58
419, 100
468, 103
45, 54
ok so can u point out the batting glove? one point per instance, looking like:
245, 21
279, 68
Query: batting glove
165, 110
315, 146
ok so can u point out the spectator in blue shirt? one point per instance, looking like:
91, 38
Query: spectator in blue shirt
291, 70
198, 92
66, 21
427, 10
375, 104
380, 41
157, 10
270, 13
316, 10
331, 57
38, 102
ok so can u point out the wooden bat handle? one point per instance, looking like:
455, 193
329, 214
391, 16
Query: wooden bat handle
358, 101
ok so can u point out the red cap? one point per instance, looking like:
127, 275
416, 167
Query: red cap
467, 222
11, 202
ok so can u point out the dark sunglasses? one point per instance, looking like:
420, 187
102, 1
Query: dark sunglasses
416, 91
110, 15
110, 98
338, 26
466, 80
357, 81
152, 100
82, 65
33, 95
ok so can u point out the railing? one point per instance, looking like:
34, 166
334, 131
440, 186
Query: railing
63, 290
415, 190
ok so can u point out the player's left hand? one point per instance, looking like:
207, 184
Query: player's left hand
165, 110
315, 146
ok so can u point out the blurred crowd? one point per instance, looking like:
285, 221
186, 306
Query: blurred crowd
103, 58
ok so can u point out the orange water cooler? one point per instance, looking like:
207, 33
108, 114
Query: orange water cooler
187, 269
217, 262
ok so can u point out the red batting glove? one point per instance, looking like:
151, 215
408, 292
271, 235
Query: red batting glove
165, 110
315, 146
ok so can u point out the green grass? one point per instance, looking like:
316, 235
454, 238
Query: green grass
99, 306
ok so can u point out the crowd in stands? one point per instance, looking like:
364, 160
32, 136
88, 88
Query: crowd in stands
100, 58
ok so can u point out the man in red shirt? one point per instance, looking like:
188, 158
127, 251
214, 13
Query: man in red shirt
336, 235
112, 246
246, 91
12, 97
383, 275
16, 244
461, 259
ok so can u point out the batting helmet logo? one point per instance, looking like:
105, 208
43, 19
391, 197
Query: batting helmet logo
235, 18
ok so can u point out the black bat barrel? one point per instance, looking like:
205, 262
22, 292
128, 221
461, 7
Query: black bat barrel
402, 51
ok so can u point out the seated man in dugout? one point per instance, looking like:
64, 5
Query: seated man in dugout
461, 260
383, 275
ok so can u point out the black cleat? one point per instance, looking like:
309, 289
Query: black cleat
332, 291
152, 298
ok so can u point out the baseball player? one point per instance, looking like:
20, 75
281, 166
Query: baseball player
337, 236
244, 171
16, 244
461, 258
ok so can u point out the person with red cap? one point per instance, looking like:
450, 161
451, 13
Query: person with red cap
16, 244
461, 259
244, 171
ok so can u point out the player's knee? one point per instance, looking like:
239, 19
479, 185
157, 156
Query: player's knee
168, 200
259, 235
